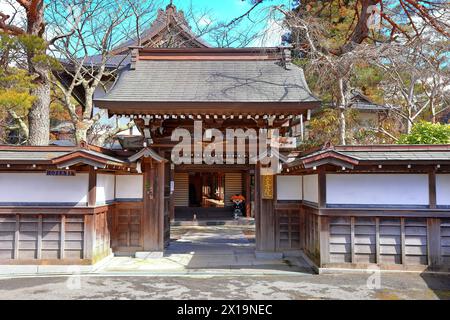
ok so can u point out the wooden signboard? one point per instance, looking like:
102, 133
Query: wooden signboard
267, 187
61, 173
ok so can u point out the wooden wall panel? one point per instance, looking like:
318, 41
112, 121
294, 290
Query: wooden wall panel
365, 240
7, 235
445, 242
103, 228
128, 235
340, 240
311, 234
416, 240
28, 244
51, 238
55, 235
288, 234
74, 237
390, 241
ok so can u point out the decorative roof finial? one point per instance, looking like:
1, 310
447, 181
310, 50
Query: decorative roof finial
170, 5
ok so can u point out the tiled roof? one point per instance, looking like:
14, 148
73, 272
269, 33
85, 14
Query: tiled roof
382, 153
46, 155
166, 19
398, 155
211, 81
30, 155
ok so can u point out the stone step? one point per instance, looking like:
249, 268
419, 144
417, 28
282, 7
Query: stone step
214, 222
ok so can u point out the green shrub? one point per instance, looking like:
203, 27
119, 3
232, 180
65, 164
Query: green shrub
427, 133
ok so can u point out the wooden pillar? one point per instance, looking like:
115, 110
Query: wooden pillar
324, 240
377, 241
17, 237
89, 237
248, 206
324, 228
89, 220
62, 239
172, 189
149, 178
159, 218
92, 192
39, 238
322, 185
153, 214
352, 239
434, 242
432, 189
266, 242
403, 239
258, 204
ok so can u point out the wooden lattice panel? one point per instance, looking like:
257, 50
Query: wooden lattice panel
288, 229
445, 242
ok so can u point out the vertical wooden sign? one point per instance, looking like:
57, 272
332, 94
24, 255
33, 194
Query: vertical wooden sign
267, 187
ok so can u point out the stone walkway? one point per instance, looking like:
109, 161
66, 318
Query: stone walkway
224, 250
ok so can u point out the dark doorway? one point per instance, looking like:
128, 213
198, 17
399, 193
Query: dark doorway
206, 190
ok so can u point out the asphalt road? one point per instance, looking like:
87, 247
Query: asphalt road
304, 286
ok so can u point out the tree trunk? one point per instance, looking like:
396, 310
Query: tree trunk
433, 111
81, 132
39, 116
341, 109
409, 120
342, 126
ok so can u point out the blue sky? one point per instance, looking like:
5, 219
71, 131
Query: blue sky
227, 10
224, 9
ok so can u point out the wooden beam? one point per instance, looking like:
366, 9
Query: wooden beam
62, 240
89, 237
403, 240
258, 203
153, 221
377, 241
322, 185
149, 177
92, 193
324, 244
432, 189
434, 242
39, 239
248, 194
17, 237
352, 239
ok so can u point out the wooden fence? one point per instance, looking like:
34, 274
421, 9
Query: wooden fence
54, 235
394, 241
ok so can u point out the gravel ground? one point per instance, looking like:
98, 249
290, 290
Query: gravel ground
326, 286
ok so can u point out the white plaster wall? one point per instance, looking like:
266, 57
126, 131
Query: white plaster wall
40, 188
311, 188
378, 189
289, 187
443, 189
106, 187
129, 187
